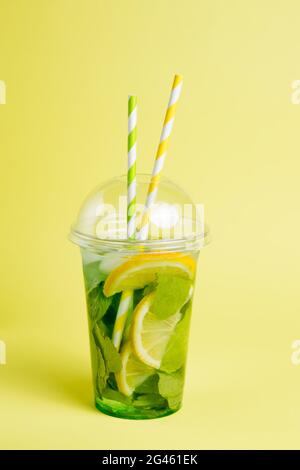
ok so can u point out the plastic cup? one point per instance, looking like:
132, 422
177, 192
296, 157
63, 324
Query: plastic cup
144, 378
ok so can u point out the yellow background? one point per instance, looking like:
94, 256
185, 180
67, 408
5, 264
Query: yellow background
69, 66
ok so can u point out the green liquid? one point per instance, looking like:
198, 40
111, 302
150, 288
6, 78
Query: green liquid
159, 394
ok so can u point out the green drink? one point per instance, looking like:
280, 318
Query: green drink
145, 378
138, 364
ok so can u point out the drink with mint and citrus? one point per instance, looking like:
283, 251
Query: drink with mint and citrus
144, 376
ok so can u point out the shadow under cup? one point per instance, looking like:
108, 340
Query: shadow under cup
139, 301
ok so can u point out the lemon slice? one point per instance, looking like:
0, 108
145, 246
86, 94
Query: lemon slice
141, 269
133, 372
150, 334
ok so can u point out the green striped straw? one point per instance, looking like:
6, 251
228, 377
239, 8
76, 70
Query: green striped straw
127, 296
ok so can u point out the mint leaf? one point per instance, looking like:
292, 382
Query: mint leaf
101, 373
171, 388
151, 400
110, 315
147, 394
175, 355
103, 328
115, 300
97, 303
108, 358
149, 288
170, 295
110, 354
111, 382
138, 294
92, 275
101, 364
150, 385
116, 396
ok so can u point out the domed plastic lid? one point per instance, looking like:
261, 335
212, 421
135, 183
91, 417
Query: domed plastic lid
176, 223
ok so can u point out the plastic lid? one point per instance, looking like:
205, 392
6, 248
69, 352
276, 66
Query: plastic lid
176, 222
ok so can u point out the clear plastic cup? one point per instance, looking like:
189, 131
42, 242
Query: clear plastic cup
139, 296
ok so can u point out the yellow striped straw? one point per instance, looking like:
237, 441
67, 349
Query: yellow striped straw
125, 306
127, 296
131, 171
160, 156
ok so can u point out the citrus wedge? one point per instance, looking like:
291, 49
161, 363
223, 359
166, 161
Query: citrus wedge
133, 372
141, 270
150, 334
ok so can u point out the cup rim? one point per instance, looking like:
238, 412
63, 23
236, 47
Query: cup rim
194, 241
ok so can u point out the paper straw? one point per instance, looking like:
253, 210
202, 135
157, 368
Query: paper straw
160, 155
131, 173
124, 308
127, 296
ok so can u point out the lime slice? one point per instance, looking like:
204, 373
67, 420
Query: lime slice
150, 334
133, 372
142, 269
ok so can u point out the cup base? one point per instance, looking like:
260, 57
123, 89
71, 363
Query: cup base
117, 410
